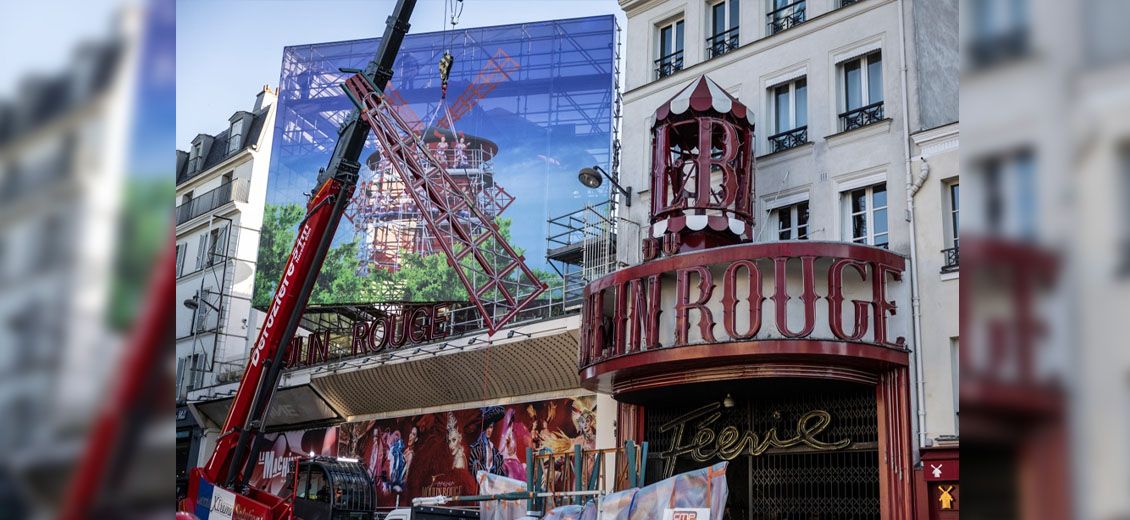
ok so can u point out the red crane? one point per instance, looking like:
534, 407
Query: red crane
497, 279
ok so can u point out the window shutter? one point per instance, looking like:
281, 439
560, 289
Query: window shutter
201, 314
201, 251
219, 249
181, 250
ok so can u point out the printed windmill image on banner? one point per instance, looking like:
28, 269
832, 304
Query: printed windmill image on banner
524, 108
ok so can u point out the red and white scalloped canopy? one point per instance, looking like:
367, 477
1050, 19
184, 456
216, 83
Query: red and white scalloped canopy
701, 95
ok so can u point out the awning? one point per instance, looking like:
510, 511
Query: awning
702, 95
509, 368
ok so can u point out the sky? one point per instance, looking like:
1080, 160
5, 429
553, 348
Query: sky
24, 22
227, 50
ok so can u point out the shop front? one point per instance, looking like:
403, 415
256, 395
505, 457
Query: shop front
787, 359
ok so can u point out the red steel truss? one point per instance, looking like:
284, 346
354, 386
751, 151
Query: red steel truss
498, 281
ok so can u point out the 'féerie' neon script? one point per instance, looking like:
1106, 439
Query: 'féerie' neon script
706, 444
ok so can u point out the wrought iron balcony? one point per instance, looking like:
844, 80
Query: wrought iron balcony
952, 259
234, 191
789, 139
722, 43
786, 17
669, 64
988, 50
862, 116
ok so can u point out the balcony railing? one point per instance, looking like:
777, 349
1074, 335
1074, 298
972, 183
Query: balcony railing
952, 259
789, 139
989, 50
722, 43
669, 64
451, 158
228, 192
786, 17
862, 116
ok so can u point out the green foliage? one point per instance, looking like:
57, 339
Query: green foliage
420, 278
280, 223
338, 281
429, 278
143, 228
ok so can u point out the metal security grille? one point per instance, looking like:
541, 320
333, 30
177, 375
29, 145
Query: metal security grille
798, 482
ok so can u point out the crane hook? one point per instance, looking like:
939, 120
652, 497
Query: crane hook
445, 63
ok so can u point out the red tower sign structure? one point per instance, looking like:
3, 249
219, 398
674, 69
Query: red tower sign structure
702, 172
498, 281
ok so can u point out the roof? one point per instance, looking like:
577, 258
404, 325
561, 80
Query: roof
702, 95
42, 99
218, 153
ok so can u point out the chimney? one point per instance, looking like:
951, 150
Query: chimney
264, 98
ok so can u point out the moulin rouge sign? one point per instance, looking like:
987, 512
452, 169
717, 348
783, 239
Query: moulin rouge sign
703, 280
785, 290
392, 327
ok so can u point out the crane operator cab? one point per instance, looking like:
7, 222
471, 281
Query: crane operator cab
325, 488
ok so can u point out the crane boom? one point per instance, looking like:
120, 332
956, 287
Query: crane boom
230, 465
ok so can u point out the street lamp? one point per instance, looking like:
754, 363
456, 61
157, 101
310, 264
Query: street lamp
194, 303
592, 178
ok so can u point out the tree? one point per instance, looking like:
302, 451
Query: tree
337, 281
276, 238
431, 278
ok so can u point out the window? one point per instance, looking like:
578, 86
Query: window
201, 251
670, 50
723, 38
845, 3
862, 81
951, 227
1124, 202
303, 481
1000, 31
955, 375
182, 248
52, 243
217, 250
792, 221
198, 157
784, 14
790, 115
235, 136
867, 215
1010, 194
319, 489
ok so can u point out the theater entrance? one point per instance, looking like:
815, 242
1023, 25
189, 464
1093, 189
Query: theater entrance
797, 448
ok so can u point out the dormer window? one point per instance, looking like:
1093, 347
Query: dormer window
197, 156
235, 136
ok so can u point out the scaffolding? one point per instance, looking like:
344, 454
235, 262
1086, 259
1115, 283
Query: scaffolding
384, 215
545, 92
581, 247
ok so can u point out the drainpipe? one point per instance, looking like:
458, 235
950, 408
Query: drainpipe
912, 186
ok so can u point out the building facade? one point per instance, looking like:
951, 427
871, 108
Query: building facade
220, 192
795, 315
64, 151
785, 302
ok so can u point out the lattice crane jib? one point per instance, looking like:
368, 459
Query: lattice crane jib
497, 279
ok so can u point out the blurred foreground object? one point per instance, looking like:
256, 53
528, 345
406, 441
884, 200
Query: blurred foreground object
133, 396
1044, 390
83, 210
